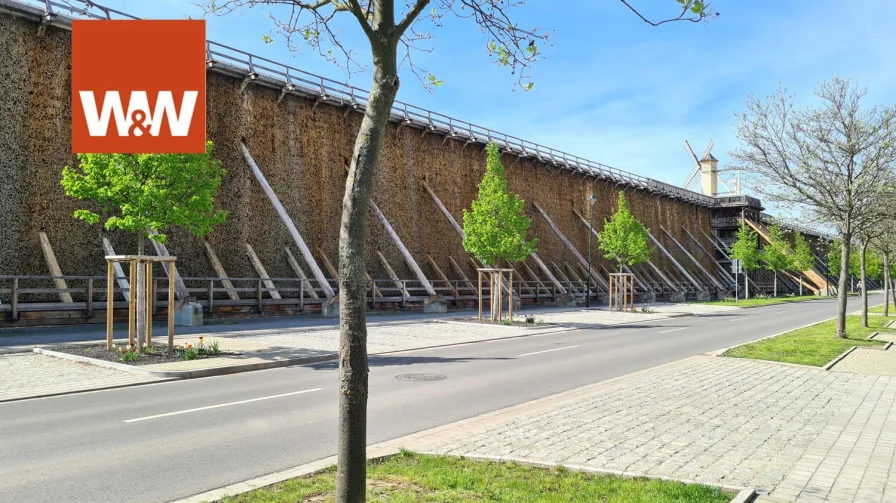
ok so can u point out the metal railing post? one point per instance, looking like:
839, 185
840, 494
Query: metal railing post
211, 296
90, 298
258, 289
302, 295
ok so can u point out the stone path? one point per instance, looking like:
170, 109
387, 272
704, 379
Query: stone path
869, 360
30, 375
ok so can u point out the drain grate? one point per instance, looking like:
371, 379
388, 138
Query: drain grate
420, 377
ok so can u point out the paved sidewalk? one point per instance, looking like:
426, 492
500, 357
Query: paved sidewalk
729, 422
869, 360
30, 375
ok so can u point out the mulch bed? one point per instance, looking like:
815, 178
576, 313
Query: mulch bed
161, 354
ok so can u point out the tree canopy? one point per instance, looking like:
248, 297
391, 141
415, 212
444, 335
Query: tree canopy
803, 259
776, 254
148, 192
746, 248
624, 238
495, 227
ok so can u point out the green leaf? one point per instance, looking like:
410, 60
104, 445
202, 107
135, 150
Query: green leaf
495, 227
624, 238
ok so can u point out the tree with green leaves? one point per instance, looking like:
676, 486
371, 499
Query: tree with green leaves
885, 246
776, 254
394, 32
835, 262
746, 250
148, 193
495, 227
803, 259
624, 238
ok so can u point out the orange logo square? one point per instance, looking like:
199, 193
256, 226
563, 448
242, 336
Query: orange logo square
138, 87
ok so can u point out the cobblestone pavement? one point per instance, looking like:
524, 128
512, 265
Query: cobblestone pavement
32, 375
732, 422
869, 360
854, 457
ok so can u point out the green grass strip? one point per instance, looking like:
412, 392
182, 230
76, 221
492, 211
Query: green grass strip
815, 345
417, 478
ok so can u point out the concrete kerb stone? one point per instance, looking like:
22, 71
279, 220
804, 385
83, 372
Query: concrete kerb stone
193, 373
837, 359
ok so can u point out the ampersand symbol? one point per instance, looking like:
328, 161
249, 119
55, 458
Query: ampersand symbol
138, 118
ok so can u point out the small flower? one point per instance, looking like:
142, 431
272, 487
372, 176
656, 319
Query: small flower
200, 338
189, 346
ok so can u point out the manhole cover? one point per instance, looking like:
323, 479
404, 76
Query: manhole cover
420, 377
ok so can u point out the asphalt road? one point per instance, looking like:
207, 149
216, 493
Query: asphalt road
160, 442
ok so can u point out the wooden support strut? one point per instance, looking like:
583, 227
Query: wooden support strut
262, 273
395, 279
684, 250
219, 270
569, 245
291, 227
706, 252
300, 273
538, 283
438, 270
460, 232
560, 273
119, 271
678, 266
162, 251
460, 272
53, 265
404, 251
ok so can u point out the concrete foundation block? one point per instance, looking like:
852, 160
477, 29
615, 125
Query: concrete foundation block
189, 315
565, 300
330, 308
435, 305
647, 298
704, 295
677, 297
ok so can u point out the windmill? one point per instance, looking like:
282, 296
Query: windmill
706, 180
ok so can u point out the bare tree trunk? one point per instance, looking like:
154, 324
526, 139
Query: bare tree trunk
351, 473
140, 242
886, 284
775, 288
864, 280
746, 285
843, 284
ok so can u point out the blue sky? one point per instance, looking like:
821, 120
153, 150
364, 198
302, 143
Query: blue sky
610, 87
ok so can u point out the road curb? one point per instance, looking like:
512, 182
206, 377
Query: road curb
837, 360
189, 374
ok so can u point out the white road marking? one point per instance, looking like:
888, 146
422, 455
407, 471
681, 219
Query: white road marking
187, 411
737, 319
672, 330
779, 312
547, 351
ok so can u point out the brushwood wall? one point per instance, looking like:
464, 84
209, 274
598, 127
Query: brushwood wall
303, 151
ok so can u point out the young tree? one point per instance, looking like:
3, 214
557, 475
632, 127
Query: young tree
776, 254
832, 162
885, 245
803, 260
746, 249
624, 238
148, 192
392, 31
495, 227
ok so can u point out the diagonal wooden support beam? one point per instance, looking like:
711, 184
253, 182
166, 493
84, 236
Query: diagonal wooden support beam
460, 272
284, 216
811, 274
439, 272
569, 245
559, 271
398, 284
119, 271
547, 272
404, 251
538, 283
329, 265
53, 265
219, 270
460, 232
180, 287
523, 282
684, 250
678, 266
296, 268
712, 257
262, 273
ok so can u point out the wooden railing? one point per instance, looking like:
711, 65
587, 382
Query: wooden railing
28, 293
